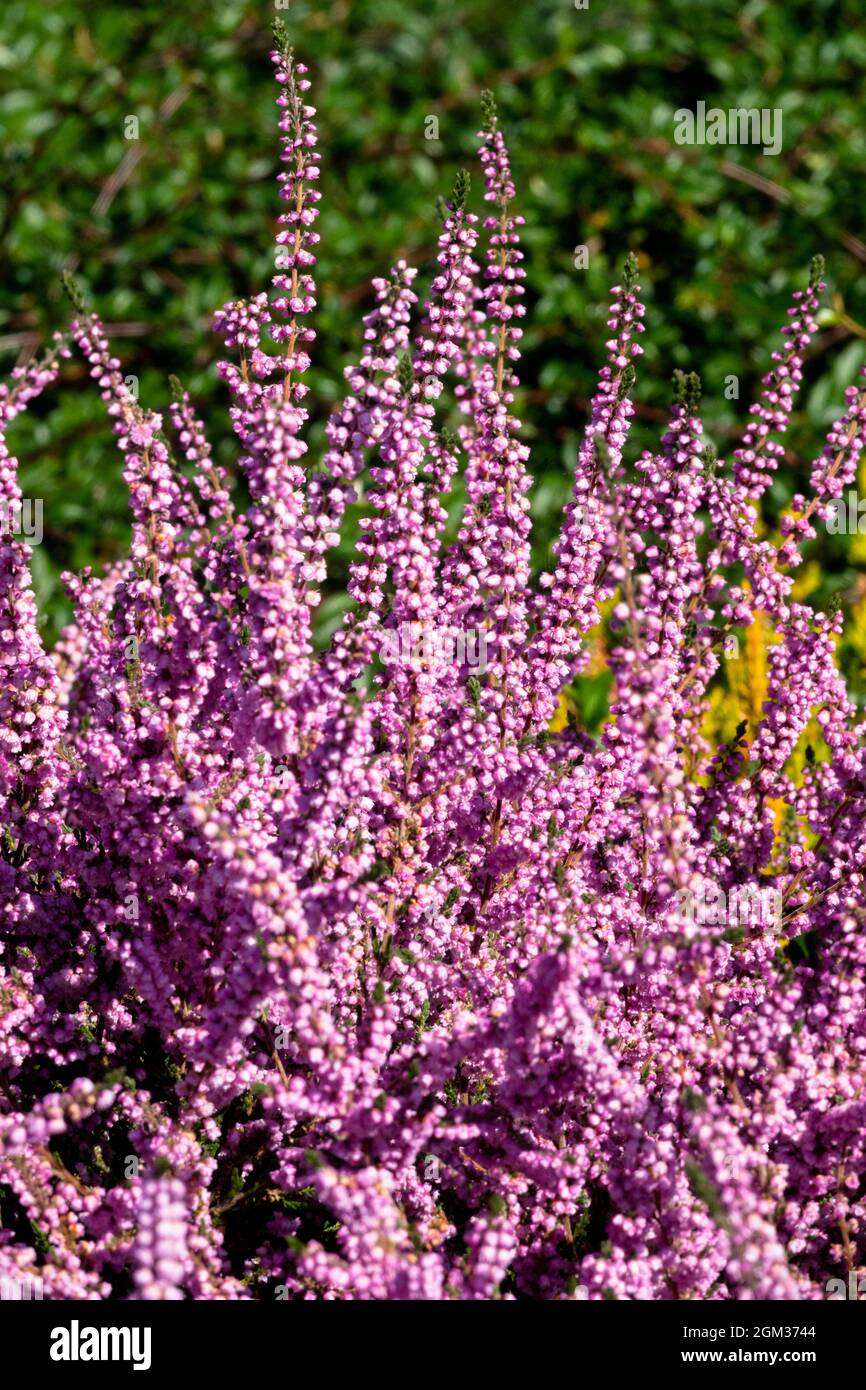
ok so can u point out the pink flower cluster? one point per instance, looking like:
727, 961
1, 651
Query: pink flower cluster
324, 977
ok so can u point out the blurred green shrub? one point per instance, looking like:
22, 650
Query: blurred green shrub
164, 228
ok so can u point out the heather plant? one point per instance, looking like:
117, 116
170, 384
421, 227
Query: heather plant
336, 974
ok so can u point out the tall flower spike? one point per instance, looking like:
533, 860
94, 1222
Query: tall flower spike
487, 572
587, 542
759, 455
293, 285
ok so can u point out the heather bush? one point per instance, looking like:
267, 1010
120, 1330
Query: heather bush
372, 972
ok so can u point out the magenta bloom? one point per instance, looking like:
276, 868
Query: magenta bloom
340, 974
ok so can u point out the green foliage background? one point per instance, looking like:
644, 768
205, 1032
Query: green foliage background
164, 229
